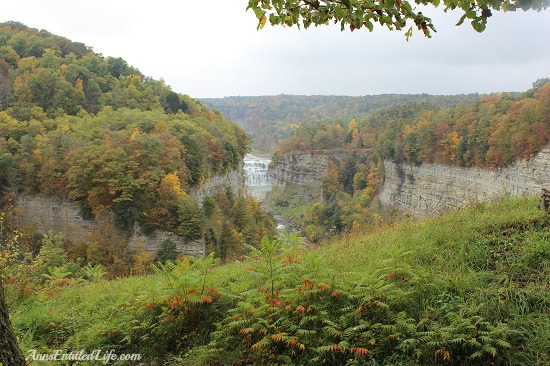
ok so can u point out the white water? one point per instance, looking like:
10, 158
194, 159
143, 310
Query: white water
255, 171
258, 183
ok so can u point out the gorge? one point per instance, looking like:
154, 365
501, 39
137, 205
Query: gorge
421, 189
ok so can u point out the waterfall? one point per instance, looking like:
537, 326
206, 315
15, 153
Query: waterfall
255, 171
258, 183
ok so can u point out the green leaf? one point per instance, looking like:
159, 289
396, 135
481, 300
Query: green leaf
369, 25
477, 354
462, 19
259, 13
479, 25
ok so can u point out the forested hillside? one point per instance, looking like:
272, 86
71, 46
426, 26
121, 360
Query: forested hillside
489, 132
39, 69
80, 126
270, 119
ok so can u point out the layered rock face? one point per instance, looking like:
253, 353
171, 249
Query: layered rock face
43, 214
234, 180
430, 188
301, 174
303, 168
300, 169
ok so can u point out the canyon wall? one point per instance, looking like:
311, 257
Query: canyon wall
299, 168
300, 175
426, 189
307, 168
43, 214
234, 179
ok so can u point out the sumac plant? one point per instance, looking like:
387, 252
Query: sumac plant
302, 313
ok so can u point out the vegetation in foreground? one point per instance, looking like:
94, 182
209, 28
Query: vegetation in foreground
470, 287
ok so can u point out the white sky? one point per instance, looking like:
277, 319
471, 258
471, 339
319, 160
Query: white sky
210, 48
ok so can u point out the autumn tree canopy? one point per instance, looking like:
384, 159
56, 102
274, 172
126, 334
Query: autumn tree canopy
395, 14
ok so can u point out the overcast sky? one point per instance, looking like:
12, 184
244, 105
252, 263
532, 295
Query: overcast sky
210, 48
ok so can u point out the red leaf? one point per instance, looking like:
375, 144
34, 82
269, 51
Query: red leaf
206, 299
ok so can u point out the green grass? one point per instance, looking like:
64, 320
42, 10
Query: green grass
81, 313
481, 270
443, 242
294, 201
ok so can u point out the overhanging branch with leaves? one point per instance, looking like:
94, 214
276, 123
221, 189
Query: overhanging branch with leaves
394, 14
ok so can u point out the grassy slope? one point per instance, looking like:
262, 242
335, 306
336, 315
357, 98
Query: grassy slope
492, 259
495, 257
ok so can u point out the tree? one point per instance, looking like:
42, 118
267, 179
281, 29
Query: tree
10, 353
172, 103
168, 251
395, 14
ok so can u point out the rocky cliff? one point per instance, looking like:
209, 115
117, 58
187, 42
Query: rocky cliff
234, 179
43, 214
301, 175
429, 188
301, 169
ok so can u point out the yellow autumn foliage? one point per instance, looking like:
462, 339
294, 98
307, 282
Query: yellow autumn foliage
172, 182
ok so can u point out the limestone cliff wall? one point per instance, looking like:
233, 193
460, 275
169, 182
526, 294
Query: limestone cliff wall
301, 175
234, 179
429, 188
43, 214
301, 169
